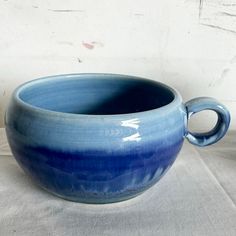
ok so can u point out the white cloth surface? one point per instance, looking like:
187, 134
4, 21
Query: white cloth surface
197, 196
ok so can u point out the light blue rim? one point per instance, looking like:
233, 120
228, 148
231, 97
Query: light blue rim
177, 97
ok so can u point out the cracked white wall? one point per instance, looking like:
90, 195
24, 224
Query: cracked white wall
187, 44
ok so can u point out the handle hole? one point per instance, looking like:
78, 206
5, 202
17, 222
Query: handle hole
202, 122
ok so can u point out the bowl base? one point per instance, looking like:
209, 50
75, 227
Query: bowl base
93, 201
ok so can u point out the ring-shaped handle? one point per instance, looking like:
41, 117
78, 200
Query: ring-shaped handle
205, 103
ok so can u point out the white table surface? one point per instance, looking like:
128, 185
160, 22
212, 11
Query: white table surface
196, 197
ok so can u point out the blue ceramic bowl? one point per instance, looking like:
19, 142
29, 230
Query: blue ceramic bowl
100, 138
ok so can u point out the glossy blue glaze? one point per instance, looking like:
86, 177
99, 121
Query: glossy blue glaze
96, 138
205, 103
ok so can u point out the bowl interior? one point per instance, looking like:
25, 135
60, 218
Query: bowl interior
96, 95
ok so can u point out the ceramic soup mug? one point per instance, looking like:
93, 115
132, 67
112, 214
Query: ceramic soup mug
100, 138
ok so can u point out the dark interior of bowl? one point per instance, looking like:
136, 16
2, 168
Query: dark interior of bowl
98, 95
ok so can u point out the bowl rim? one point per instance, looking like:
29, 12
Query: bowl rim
42, 111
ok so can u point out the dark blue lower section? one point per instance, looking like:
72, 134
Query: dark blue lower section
96, 176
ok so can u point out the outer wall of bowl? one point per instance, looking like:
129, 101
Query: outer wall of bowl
95, 159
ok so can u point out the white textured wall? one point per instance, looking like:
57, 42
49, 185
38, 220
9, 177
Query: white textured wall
188, 44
